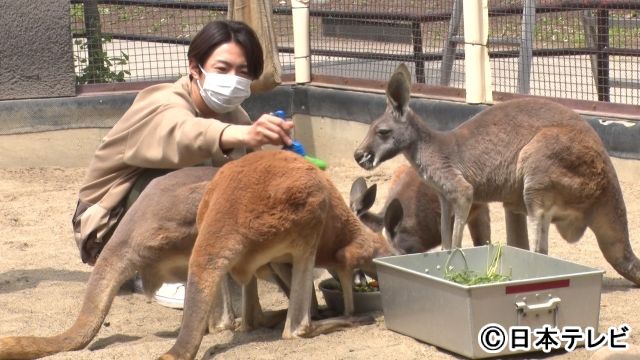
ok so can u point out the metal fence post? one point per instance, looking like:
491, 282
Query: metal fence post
449, 50
416, 35
526, 46
602, 56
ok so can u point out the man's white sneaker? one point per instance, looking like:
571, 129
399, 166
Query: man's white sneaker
137, 284
171, 295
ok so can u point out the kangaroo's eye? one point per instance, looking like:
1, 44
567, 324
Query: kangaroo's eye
382, 132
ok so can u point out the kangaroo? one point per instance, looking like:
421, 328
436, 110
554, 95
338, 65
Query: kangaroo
277, 207
155, 239
540, 159
411, 213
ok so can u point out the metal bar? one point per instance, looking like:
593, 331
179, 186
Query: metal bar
602, 31
627, 84
617, 22
449, 51
95, 52
566, 52
460, 55
600, 108
416, 35
431, 56
458, 94
526, 46
378, 56
550, 6
545, 6
432, 91
491, 40
87, 89
167, 4
589, 25
594, 4
118, 86
147, 38
623, 51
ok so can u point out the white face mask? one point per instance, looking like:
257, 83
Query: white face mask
223, 92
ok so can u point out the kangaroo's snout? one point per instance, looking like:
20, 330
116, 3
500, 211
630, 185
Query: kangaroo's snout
365, 159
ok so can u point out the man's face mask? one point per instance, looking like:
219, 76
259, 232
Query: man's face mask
223, 92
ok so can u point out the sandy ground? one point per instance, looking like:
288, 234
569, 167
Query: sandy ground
42, 282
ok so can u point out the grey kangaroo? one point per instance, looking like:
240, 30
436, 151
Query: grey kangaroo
154, 238
540, 159
411, 213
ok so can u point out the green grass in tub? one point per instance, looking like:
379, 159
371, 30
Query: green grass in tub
470, 277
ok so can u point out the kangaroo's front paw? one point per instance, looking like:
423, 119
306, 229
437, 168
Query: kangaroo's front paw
214, 328
167, 357
174, 354
271, 319
362, 320
300, 332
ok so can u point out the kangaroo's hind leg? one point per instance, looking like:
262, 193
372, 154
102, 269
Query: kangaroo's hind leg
298, 323
610, 226
547, 170
445, 222
479, 224
538, 202
209, 264
517, 234
538, 225
456, 199
252, 314
222, 316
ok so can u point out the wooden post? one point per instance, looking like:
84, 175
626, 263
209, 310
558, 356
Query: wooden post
476, 60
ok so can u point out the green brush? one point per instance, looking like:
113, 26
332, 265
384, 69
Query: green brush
297, 147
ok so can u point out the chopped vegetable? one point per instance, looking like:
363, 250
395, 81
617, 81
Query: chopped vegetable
470, 277
371, 286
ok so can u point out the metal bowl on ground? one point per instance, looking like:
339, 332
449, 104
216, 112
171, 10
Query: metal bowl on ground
363, 302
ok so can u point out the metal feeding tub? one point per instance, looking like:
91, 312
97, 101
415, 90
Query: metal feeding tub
419, 302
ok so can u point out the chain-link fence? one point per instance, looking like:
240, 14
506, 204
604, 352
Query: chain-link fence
585, 50
580, 49
147, 40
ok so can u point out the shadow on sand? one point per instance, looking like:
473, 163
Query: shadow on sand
17, 280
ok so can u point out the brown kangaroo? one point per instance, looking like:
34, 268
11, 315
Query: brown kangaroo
154, 238
411, 213
540, 159
273, 207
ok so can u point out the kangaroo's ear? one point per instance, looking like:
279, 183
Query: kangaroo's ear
365, 200
361, 197
393, 217
399, 89
358, 187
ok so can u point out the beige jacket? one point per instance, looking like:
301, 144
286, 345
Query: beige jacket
162, 129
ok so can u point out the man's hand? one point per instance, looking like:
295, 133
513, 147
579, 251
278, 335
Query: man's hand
268, 129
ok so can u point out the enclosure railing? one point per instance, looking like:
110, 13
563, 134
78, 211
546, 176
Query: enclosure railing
345, 53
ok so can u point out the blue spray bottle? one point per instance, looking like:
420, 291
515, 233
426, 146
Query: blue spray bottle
297, 147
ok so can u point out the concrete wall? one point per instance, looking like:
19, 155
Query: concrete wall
332, 140
330, 123
36, 57
37, 115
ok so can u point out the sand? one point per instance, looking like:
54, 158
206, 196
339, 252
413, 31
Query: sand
42, 282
